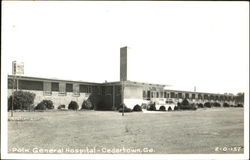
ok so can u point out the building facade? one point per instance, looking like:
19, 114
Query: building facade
109, 95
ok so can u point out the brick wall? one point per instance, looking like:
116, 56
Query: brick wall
58, 99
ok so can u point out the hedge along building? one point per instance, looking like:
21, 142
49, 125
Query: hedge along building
108, 96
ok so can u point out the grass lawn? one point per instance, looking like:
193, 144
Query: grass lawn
203, 131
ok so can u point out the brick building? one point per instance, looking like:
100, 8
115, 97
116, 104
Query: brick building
109, 96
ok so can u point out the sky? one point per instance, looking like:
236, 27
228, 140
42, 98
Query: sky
180, 44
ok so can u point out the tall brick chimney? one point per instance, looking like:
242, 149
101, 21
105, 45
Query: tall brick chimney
123, 63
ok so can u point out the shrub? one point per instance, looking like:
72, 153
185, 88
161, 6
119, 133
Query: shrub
216, 104
126, 109
185, 105
152, 107
185, 102
137, 108
40, 106
225, 105
162, 108
176, 108
22, 100
239, 105
189, 107
200, 105
61, 106
45, 104
207, 104
178, 104
144, 106
169, 109
86, 104
73, 105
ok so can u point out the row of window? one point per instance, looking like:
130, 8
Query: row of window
63, 87
77, 89
155, 94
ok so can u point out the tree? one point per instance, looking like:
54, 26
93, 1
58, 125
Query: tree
22, 100
185, 102
239, 99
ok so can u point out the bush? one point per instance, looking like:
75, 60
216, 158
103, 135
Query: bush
200, 105
189, 107
73, 105
152, 107
216, 104
61, 106
144, 106
169, 109
239, 105
185, 102
137, 108
22, 100
176, 108
207, 104
162, 108
45, 104
186, 106
225, 105
40, 106
178, 104
126, 109
86, 104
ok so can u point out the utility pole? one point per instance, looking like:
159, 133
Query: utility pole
17, 69
12, 102
122, 99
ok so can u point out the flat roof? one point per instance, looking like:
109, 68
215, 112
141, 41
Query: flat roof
93, 83
51, 79
112, 83
198, 92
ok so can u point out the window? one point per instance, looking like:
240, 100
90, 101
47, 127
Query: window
76, 89
211, 97
179, 95
148, 95
62, 88
144, 94
157, 94
84, 88
165, 95
199, 96
47, 88
89, 89
55, 86
172, 94
206, 96
216, 98
193, 96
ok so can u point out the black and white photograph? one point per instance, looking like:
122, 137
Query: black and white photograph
125, 80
